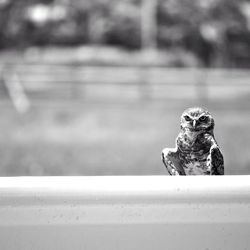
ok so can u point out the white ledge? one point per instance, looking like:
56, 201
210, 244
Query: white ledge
128, 213
122, 200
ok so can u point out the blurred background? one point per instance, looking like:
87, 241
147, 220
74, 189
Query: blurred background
97, 87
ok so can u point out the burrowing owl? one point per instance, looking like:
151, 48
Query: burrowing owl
196, 151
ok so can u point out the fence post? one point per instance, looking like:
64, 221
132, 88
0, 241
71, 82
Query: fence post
16, 90
149, 24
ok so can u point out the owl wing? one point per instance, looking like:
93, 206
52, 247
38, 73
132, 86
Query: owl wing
216, 161
171, 160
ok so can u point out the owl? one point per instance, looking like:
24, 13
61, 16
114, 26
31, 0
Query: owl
196, 151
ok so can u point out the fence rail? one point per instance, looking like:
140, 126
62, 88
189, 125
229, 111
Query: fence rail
153, 212
42, 81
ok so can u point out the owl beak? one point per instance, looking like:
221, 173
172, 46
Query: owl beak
194, 123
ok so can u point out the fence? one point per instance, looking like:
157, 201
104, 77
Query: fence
82, 82
153, 212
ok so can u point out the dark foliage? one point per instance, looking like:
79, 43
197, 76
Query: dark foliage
215, 31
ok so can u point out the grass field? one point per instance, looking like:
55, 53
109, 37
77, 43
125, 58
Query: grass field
88, 120
112, 137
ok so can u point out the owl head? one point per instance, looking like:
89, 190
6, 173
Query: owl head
197, 119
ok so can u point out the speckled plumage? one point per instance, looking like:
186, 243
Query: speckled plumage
196, 151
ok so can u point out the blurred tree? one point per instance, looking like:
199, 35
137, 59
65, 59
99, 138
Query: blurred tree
124, 24
216, 31
5, 7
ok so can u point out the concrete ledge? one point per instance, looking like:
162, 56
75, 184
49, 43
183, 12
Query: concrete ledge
129, 212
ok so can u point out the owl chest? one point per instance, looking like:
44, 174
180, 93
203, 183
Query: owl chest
194, 152
194, 164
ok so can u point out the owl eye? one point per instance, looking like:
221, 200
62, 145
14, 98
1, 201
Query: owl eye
187, 118
203, 118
